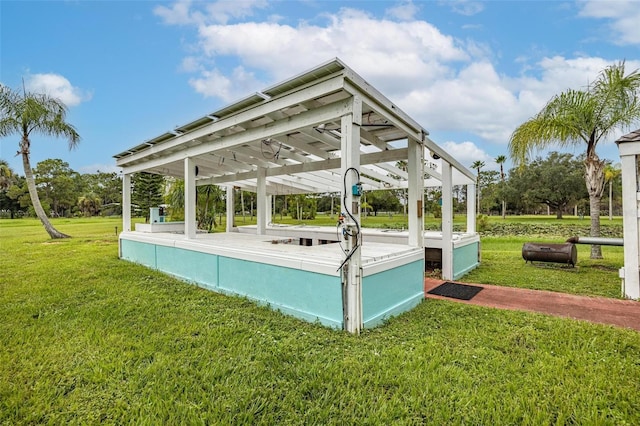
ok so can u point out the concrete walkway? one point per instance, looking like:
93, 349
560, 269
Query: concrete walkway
621, 313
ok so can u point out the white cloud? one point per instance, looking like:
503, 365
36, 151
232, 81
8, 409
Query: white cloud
228, 88
624, 17
465, 7
467, 153
446, 84
223, 11
191, 64
404, 11
57, 86
397, 55
181, 13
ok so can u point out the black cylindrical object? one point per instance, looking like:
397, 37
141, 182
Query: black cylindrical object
558, 253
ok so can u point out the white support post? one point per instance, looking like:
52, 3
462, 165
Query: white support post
126, 202
189, 198
270, 209
231, 214
261, 201
471, 208
447, 221
350, 165
415, 169
630, 206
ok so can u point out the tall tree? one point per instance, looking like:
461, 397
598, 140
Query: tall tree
556, 181
611, 173
478, 165
501, 159
147, 191
7, 179
56, 183
6, 175
24, 113
584, 116
107, 187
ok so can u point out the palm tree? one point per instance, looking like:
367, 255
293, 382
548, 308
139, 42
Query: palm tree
6, 175
610, 174
478, 165
89, 204
609, 104
26, 113
501, 159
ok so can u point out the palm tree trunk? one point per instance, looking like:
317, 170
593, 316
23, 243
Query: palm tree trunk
594, 174
33, 193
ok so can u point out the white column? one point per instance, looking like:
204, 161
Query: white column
415, 168
261, 201
630, 195
447, 222
126, 202
189, 198
230, 208
471, 208
352, 269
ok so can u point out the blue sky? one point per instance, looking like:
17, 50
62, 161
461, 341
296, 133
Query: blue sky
468, 71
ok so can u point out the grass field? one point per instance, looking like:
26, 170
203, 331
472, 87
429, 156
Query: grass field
86, 338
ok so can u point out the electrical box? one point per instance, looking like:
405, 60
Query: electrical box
356, 190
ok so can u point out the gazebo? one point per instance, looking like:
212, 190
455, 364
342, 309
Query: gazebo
325, 130
629, 148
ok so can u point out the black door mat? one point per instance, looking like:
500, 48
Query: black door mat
456, 291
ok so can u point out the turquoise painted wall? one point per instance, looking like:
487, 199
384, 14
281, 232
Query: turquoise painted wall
201, 268
307, 295
391, 292
310, 295
465, 258
137, 252
304, 294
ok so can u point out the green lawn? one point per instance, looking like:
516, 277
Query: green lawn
86, 338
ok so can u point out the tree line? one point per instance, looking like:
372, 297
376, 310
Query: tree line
547, 185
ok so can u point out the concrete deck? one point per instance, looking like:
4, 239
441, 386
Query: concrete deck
621, 313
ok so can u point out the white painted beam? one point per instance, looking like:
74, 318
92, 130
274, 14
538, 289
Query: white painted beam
126, 202
275, 129
330, 164
630, 217
230, 209
352, 269
312, 92
471, 208
415, 169
447, 222
190, 226
261, 201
